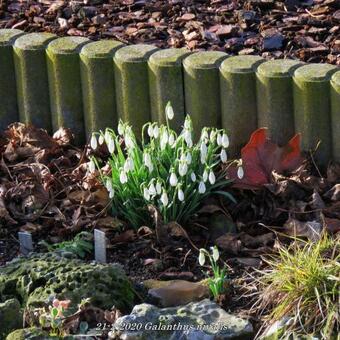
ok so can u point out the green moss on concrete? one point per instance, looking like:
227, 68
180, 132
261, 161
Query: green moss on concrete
275, 107
10, 316
312, 108
63, 62
32, 80
166, 84
335, 115
98, 85
132, 90
238, 99
35, 279
202, 88
8, 105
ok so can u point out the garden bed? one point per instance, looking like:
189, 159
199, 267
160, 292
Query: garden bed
305, 30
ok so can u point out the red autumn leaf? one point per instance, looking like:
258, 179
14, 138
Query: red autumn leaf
261, 156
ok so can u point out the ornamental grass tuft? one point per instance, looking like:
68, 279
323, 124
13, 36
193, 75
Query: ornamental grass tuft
168, 171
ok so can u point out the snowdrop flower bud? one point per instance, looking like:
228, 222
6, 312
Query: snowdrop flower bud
128, 141
189, 158
181, 195
128, 165
183, 158
120, 128
187, 138
215, 253
152, 189
111, 193
109, 184
240, 172
171, 139
201, 258
123, 177
205, 175
146, 194
101, 140
111, 145
187, 124
219, 140
92, 166
173, 179
193, 177
164, 140
107, 137
223, 156
204, 136
204, 151
150, 130
201, 188
212, 178
164, 198
93, 142
156, 131
182, 168
169, 111
158, 188
225, 141
147, 160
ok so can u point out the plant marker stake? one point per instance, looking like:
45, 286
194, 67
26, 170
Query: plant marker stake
99, 246
26, 244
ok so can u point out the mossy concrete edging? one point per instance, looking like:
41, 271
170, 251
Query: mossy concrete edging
87, 86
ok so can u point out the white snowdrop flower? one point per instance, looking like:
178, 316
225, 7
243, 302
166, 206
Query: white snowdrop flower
204, 136
164, 140
152, 189
212, 178
193, 177
128, 141
120, 128
107, 137
128, 165
92, 166
181, 195
173, 179
169, 111
182, 168
109, 184
93, 142
101, 139
111, 145
219, 139
204, 152
205, 175
225, 141
201, 258
158, 188
111, 193
156, 131
201, 188
188, 158
215, 253
171, 139
150, 130
223, 156
183, 158
188, 138
165, 199
213, 136
240, 172
123, 177
187, 124
146, 194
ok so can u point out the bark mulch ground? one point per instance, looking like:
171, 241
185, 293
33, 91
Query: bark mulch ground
302, 29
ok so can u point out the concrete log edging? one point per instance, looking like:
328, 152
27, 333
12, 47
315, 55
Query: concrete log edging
87, 86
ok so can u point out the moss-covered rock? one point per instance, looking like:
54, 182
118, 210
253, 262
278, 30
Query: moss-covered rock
29, 334
10, 316
35, 279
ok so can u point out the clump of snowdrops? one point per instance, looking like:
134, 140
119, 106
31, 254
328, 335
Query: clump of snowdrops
216, 281
166, 170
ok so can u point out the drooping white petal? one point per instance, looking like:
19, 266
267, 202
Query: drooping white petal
120, 128
164, 140
193, 177
123, 177
188, 158
219, 139
165, 199
173, 179
107, 137
225, 141
223, 156
204, 136
171, 139
181, 195
111, 193
201, 188
182, 169
156, 131
201, 258
150, 130
109, 184
92, 166
205, 175
93, 142
169, 111
111, 145
101, 139
146, 194
158, 188
152, 189
240, 172
212, 178
215, 253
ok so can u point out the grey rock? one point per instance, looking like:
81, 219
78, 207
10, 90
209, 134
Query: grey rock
203, 320
10, 316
